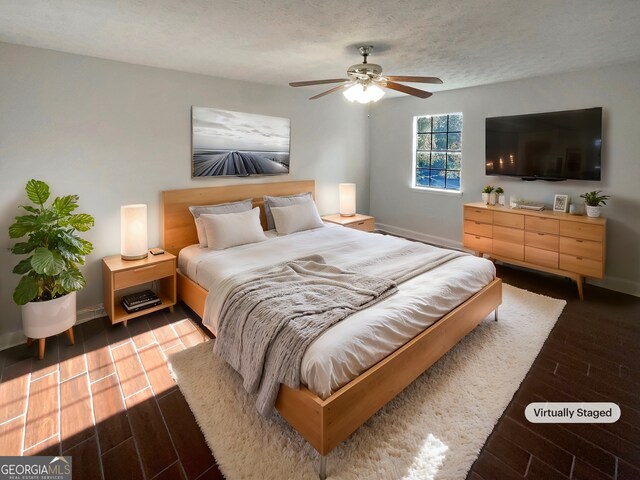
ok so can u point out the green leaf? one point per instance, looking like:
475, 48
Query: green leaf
37, 191
23, 267
22, 248
81, 221
20, 229
70, 254
65, 205
30, 209
72, 280
46, 262
26, 290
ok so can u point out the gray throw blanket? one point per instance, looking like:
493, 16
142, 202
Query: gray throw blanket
272, 315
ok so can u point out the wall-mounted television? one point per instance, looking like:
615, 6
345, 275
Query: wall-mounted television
546, 146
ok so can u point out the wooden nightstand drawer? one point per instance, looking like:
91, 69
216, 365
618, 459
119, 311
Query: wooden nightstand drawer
367, 225
477, 228
143, 274
478, 214
581, 248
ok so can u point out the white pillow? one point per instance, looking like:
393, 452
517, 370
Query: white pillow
295, 218
229, 207
270, 202
226, 230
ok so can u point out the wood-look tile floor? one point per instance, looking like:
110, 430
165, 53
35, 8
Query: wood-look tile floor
592, 355
109, 401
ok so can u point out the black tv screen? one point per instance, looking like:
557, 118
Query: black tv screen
547, 146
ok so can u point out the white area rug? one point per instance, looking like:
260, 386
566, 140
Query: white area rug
433, 430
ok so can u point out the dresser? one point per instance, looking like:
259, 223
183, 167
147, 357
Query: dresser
570, 245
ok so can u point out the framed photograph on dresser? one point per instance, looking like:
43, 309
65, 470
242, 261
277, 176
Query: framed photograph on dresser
561, 203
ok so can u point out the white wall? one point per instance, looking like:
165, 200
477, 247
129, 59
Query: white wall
438, 218
116, 133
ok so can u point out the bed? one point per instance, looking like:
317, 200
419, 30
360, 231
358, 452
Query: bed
328, 410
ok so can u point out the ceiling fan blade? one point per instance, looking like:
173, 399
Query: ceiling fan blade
406, 89
328, 91
410, 79
317, 82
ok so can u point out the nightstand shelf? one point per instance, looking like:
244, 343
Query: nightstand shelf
120, 275
365, 223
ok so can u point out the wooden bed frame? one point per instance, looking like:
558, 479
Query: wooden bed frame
326, 423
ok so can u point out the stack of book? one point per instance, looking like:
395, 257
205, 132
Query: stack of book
140, 301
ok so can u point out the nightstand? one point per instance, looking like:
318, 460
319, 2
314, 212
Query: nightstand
118, 275
365, 223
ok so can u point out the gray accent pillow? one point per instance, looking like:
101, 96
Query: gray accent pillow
282, 202
220, 208
230, 207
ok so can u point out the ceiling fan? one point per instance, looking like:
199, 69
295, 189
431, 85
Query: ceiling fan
364, 80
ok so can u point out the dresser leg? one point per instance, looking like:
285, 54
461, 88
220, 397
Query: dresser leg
580, 281
29, 341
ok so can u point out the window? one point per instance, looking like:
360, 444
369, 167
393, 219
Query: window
438, 151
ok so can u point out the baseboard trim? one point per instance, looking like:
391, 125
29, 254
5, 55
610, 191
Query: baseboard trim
11, 339
422, 237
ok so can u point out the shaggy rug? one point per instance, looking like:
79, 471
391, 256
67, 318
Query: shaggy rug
433, 430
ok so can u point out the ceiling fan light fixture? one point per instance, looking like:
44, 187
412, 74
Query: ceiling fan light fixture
363, 93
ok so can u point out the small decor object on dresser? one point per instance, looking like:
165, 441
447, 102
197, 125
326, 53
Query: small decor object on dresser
238, 144
53, 251
561, 203
500, 194
487, 193
593, 200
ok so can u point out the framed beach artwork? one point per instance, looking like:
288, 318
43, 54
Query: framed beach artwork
226, 143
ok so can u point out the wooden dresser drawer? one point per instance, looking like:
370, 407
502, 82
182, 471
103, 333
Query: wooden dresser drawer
506, 234
582, 230
478, 228
508, 249
545, 241
367, 225
514, 220
148, 273
581, 248
478, 214
582, 265
539, 256
477, 243
541, 224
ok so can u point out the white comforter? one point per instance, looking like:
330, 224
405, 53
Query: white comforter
361, 340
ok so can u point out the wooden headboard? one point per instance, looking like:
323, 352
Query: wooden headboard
178, 227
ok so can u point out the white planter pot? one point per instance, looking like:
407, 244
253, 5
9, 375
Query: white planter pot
485, 198
593, 211
501, 199
492, 198
44, 319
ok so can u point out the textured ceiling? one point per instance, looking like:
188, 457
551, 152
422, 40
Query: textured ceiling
464, 42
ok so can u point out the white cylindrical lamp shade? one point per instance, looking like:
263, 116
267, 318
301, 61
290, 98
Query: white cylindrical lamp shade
347, 199
133, 232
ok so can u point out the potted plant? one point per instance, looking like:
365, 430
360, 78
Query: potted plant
593, 200
499, 191
486, 195
50, 273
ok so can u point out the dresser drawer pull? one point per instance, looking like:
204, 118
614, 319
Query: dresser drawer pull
477, 223
144, 268
578, 258
477, 211
361, 223
477, 237
579, 241
541, 234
